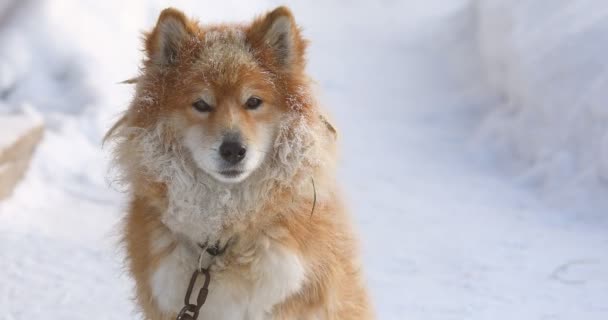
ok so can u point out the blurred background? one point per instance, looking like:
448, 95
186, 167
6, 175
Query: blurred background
474, 139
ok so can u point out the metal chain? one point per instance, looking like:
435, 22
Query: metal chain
190, 311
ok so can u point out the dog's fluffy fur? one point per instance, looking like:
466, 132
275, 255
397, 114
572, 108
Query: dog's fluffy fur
291, 253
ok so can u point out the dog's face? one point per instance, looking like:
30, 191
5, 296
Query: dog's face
229, 116
223, 89
229, 130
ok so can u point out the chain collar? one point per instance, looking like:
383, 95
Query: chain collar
190, 311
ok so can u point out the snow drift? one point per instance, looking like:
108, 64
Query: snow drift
547, 59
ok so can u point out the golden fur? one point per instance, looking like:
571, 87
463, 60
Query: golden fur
267, 220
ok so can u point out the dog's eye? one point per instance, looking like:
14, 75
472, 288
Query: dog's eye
201, 106
253, 103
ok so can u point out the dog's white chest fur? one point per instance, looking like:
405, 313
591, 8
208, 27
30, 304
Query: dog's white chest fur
270, 275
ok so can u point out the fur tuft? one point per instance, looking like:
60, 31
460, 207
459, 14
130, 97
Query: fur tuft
158, 154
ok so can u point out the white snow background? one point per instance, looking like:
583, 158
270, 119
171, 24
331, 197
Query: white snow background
474, 150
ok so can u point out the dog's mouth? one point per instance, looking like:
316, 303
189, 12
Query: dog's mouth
231, 173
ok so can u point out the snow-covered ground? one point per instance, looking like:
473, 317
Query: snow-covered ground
547, 59
454, 221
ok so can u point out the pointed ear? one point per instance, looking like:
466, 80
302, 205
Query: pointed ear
277, 32
163, 43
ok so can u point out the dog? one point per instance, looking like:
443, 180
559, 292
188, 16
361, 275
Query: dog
229, 163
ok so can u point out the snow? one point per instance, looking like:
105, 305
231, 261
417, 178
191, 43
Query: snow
547, 61
471, 175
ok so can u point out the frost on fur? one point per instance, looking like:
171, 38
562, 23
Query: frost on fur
197, 204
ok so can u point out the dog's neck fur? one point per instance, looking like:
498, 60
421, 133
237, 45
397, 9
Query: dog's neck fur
201, 208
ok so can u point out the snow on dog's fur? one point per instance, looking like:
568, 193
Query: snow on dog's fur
290, 249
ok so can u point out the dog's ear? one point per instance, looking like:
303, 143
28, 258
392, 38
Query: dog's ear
163, 43
277, 35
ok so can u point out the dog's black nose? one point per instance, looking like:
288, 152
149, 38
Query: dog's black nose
232, 152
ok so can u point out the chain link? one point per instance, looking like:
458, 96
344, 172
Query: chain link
190, 311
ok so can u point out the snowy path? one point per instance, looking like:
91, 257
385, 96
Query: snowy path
445, 234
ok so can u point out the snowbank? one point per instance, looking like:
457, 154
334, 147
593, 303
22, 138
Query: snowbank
547, 59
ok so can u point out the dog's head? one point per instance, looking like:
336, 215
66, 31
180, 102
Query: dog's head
222, 90
223, 123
